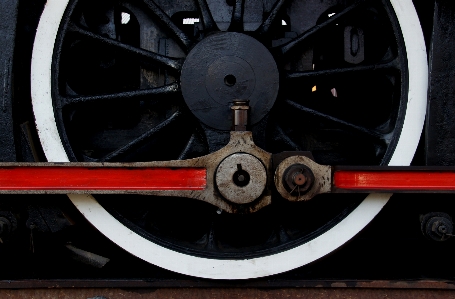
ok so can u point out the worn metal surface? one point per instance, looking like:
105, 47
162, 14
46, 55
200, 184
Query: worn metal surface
298, 178
240, 110
322, 178
241, 178
239, 142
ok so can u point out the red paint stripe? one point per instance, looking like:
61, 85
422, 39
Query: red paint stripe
81, 178
398, 180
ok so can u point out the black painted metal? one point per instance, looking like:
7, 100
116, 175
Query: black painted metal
8, 17
136, 143
271, 18
172, 63
237, 16
206, 16
440, 126
225, 67
305, 36
166, 20
157, 93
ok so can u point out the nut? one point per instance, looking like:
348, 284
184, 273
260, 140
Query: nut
298, 179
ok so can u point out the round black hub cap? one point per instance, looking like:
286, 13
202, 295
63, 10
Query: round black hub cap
225, 67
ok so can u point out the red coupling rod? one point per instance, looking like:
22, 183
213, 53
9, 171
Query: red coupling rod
30, 178
394, 179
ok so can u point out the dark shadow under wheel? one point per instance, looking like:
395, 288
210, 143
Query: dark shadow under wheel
115, 88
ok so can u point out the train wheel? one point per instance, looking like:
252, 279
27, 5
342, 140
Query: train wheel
152, 80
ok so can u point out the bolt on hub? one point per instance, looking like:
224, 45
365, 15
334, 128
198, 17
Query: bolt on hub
298, 179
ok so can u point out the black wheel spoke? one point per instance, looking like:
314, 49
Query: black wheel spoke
342, 71
182, 38
141, 140
289, 46
237, 16
265, 26
144, 94
144, 55
282, 137
356, 128
207, 18
194, 147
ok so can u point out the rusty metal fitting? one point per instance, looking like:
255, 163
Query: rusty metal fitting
240, 110
298, 179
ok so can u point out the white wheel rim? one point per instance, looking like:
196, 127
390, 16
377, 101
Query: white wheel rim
229, 269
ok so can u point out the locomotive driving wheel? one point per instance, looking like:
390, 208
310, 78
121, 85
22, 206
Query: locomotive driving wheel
144, 80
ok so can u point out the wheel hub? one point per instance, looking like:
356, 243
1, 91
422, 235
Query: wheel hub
241, 178
224, 67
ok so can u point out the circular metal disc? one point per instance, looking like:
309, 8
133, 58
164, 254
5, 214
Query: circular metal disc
225, 178
224, 67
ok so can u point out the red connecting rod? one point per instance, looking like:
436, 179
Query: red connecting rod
51, 178
393, 179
